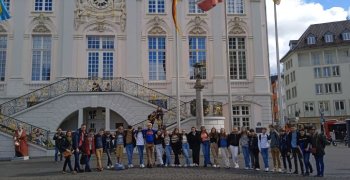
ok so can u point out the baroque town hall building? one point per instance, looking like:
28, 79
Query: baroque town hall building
53, 51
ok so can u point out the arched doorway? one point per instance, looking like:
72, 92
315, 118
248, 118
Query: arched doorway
95, 118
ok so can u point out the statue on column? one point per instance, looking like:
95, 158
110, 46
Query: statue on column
20, 138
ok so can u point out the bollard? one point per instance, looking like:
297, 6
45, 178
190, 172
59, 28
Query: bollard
348, 131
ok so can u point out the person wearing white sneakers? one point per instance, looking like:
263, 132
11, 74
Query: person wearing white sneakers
275, 151
214, 138
253, 144
185, 148
140, 144
233, 140
223, 147
264, 146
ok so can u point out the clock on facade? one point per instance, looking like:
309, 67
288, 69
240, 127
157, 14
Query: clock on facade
100, 4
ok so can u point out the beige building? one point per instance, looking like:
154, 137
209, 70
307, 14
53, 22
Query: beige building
316, 73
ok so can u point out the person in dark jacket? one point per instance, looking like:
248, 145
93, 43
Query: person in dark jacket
214, 148
108, 146
129, 143
318, 144
176, 145
233, 141
285, 151
275, 150
99, 149
66, 145
253, 144
78, 139
293, 136
159, 143
194, 139
304, 142
58, 139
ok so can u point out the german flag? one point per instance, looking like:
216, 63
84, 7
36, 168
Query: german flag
174, 15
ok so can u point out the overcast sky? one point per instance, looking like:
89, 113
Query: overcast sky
294, 16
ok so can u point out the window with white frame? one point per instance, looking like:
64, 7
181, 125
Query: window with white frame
101, 55
337, 87
41, 58
237, 55
292, 76
328, 88
156, 58
309, 107
328, 38
315, 57
311, 40
319, 88
317, 72
294, 92
156, 6
346, 36
43, 5
326, 72
339, 107
288, 94
235, 6
328, 58
3, 55
197, 54
241, 116
335, 71
193, 7
323, 106
7, 4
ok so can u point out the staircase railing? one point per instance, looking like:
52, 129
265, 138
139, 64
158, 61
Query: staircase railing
35, 135
71, 85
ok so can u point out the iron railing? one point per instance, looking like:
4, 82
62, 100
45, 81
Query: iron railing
35, 135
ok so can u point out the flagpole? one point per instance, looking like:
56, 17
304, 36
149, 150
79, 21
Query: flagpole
228, 71
177, 80
279, 80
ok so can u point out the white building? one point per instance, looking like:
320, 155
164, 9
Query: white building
316, 73
113, 41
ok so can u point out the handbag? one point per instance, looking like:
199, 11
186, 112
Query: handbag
67, 153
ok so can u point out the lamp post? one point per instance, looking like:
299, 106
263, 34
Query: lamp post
199, 95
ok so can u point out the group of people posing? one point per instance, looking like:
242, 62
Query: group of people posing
161, 144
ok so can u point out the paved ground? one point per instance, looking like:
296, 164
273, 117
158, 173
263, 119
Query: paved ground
337, 162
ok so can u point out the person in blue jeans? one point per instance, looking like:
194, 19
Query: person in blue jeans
168, 149
185, 148
264, 146
245, 147
318, 144
205, 146
304, 143
140, 144
78, 139
129, 143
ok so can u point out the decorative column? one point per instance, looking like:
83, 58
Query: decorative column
199, 95
107, 120
80, 117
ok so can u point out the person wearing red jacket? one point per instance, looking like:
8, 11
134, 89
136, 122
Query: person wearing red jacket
88, 150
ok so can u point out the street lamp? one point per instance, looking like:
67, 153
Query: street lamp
199, 95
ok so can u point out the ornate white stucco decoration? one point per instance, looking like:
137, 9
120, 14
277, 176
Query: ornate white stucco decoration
197, 29
41, 20
99, 12
235, 26
156, 28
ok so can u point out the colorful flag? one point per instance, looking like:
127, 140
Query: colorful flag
174, 15
206, 5
4, 14
277, 2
